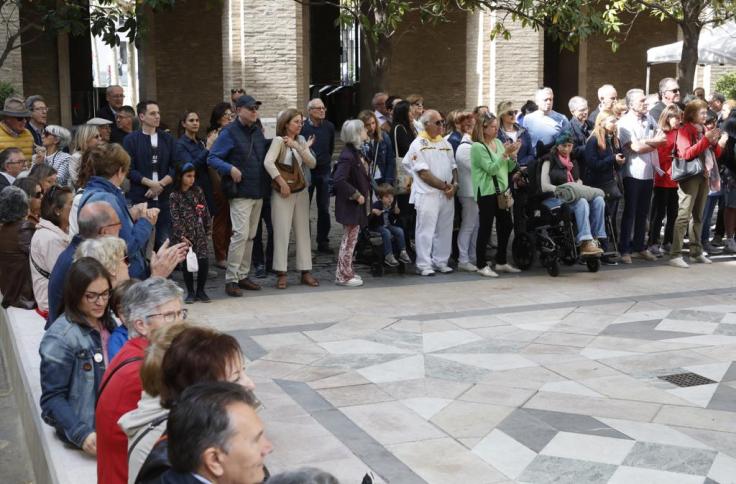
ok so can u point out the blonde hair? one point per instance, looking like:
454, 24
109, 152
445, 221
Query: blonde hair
82, 136
108, 251
667, 113
480, 123
159, 341
599, 131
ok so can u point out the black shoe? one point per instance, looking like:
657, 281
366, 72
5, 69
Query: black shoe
608, 260
260, 272
325, 249
203, 297
190, 299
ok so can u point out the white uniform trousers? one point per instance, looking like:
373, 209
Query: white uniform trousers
433, 235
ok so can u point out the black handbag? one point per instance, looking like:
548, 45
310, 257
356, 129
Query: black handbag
683, 169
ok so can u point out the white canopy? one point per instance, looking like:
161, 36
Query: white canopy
717, 45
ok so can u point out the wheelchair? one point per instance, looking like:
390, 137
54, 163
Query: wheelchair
548, 228
369, 251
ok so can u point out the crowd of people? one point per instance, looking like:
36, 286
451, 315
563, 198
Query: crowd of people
92, 224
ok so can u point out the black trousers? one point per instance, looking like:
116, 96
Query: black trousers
201, 276
487, 211
664, 203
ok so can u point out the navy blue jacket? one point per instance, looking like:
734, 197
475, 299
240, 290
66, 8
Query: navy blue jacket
242, 147
194, 152
455, 138
601, 165
138, 146
526, 151
382, 154
56, 280
324, 143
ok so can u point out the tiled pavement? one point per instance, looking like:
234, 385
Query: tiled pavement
520, 379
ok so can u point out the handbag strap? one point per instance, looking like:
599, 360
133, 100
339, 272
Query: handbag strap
123, 363
43, 273
493, 177
674, 146
154, 423
396, 142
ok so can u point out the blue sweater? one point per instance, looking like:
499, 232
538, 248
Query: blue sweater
324, 143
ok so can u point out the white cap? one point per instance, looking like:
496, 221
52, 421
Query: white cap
98, 122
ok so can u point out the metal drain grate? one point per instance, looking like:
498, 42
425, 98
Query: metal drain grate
686, 379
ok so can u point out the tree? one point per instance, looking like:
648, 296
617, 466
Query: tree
108, 19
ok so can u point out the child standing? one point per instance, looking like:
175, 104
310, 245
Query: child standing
191, 223
381, 214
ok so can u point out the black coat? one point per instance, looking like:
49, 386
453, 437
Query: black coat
350, 177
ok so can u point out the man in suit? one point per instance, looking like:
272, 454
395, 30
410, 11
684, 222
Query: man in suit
115, 96
12, 162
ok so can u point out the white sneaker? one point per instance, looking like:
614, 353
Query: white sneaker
701, 258
425, 272
678, 262
467, 267
404, 257
354, 282
507, 268
487, 272
445, 269
731, 246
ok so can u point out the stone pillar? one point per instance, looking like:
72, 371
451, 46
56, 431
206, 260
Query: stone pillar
266, 52
12, 69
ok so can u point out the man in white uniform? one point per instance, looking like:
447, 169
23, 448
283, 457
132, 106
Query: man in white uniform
431, 162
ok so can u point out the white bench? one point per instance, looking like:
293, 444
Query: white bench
53, 462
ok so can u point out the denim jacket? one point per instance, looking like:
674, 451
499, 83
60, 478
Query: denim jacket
70, 377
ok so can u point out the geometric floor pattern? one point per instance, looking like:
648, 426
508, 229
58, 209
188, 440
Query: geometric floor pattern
533, 390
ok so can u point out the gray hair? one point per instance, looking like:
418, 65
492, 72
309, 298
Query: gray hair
31, 100
110, 88
351, 131
305, 475
92, 217
427, 115
630, 95
577, 103
603, 89
663, 84
108, 251
540, 93
312, 102
374, 101
63, 134
5, 155
13, 205
142, 299
717, 96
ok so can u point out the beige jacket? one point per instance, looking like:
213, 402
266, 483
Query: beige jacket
47, 244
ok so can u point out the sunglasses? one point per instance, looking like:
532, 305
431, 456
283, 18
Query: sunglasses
513, 112
253, 109
239, 91
437, 123
126, 260
38, 195
675, 90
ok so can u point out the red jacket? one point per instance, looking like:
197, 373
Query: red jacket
665, 162
119, 396
689, 146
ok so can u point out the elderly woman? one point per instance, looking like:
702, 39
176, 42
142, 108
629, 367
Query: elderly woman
50, 240
16, 233
352, 194
34, 192
85, 138
110, 252
378, 150
290, 209
55, 139
693, 141
559, 168
468, 233
74, 355
195, 355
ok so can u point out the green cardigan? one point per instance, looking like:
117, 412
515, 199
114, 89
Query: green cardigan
484, 166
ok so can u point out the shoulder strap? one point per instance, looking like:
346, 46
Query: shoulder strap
674, 146
154, 423
396, 143
43, 273
123, 363
493, 178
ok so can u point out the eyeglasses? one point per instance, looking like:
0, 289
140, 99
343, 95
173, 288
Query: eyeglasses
110, 225
253, 109
436, 123
41, 110
95, 297
19, 119
239, 91
675, 90
38, 194
513, 112
319, 108
15, 162
419, 105
170, 316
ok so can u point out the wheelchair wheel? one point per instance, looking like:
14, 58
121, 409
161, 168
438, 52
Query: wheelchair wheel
553, 267
593, 264
523, 250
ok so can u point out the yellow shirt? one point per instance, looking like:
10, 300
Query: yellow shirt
23, 141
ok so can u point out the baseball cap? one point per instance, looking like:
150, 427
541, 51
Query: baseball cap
247, 102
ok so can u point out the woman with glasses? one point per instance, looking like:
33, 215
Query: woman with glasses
55, 139
222, 229
86, 138
74, 355
50, 240
16, 232
34, 192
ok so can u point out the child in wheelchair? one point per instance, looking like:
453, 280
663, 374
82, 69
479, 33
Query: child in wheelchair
383, 217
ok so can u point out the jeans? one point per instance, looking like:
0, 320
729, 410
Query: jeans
589, 218
387, 232
488, 210
710, 207
321, 184
637, 198
665, 203
261, 258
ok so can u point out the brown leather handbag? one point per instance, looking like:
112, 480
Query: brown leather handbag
292, 174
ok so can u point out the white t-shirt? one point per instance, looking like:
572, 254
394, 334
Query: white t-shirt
434, 155
631, 128
154, 160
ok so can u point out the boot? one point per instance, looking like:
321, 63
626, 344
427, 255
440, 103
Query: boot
202, 279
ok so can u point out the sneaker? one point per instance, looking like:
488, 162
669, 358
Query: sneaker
507, 268
656, 250
644, 254
731, 246
404, 257
609, 260
445, 269
678, 262
390, 260
712, 249
354, 282
590, 247
467, 267
626, 259
425, 272
701, 259
487, 272
666, 248
190, 298
717, 241
203, 297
